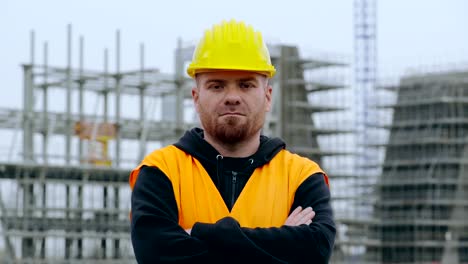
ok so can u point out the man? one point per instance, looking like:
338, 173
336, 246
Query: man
226, 193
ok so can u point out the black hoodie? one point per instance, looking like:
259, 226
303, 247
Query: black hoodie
157, 237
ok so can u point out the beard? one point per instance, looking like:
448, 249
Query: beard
231, 129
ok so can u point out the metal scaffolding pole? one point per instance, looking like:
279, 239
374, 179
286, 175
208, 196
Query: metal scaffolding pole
45, 103
68, 134
81, 83
118, 126
105, 218
28, 107
105, 92
80, 207
114, 218
142, 147
45, 143
27, 245
118, 79
68, 99
68, 107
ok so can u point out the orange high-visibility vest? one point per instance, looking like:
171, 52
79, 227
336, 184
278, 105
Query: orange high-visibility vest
265, 200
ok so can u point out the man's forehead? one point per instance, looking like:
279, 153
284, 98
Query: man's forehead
229, 75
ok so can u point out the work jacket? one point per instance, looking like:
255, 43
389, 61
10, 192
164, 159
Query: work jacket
236, 207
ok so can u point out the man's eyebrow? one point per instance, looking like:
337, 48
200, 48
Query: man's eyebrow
248, 79
214, 81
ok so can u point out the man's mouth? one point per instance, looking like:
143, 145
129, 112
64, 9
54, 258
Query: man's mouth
231, 114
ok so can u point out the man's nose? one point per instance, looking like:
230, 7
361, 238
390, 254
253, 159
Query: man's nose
232, 95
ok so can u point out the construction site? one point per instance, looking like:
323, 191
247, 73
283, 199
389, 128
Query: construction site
395, 154
421, 202
68, 198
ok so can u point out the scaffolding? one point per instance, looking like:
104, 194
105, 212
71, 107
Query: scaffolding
365, 78
311, 112
69, 201
66, 199
422, 203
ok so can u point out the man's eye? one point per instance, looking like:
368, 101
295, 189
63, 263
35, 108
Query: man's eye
246, 85
216, 87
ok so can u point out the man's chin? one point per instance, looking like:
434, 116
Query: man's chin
230, 133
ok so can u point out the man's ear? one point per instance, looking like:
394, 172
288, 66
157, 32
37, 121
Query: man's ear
268, 91
195, 97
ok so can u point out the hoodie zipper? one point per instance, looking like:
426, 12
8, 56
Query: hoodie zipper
233, 190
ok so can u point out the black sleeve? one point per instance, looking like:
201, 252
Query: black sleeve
156, 234
286, 244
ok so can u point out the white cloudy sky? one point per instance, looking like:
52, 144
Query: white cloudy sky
410, 33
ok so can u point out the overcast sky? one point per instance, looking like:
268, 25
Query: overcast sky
410, 33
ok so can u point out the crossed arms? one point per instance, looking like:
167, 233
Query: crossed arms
157, 237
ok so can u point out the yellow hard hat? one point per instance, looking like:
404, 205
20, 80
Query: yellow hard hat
231, 46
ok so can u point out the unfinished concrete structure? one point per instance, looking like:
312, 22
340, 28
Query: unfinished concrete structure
66, 199
311, 112
69, 200
421, 211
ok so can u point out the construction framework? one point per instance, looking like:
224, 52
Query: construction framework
422, 194
66, 199
71, 207
311, 112
365, 70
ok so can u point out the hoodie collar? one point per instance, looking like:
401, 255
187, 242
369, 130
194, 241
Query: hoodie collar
193, 143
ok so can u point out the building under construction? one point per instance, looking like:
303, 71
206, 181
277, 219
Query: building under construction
66, 198
421, 211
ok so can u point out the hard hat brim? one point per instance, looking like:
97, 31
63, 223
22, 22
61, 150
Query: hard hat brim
193, 72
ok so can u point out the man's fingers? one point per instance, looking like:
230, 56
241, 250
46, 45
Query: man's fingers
296, 211
307, 217
299, 216
291, 221
304, 216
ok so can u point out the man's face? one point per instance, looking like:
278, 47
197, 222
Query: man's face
232, 104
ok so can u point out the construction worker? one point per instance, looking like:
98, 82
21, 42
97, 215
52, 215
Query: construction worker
224, 193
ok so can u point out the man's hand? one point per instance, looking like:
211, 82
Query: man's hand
299, 217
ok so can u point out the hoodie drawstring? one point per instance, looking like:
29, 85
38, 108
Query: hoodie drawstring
219, 168
247, 165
